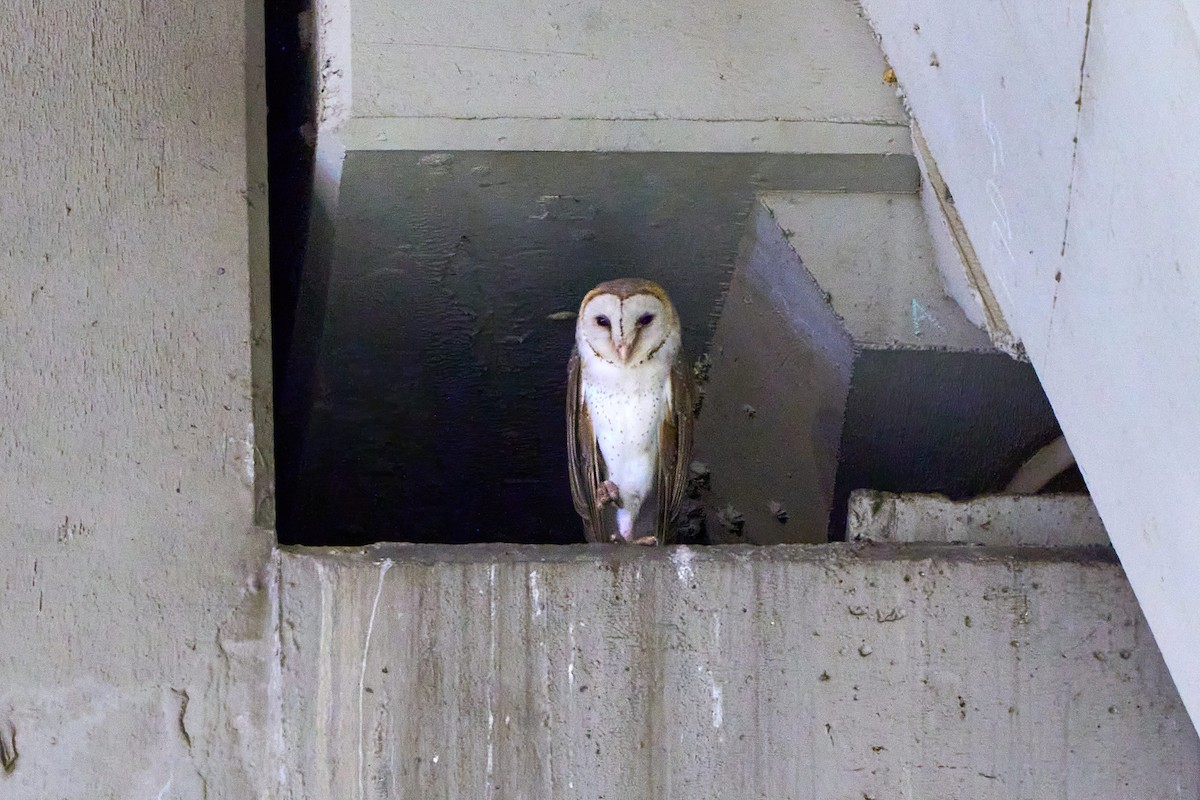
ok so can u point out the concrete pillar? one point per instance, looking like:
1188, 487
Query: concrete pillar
135, 438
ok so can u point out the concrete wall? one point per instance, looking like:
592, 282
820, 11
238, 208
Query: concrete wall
768, 672
1063, 131
134, 433
538, 75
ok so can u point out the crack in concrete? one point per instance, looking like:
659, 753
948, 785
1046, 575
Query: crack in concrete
183, 707
878, 121
384, 566
1087, 31
8, 748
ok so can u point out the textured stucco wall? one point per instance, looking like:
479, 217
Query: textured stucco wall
1064, 132
135, 460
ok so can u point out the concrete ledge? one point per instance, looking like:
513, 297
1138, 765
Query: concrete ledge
633, 135
1039, 520
773, 672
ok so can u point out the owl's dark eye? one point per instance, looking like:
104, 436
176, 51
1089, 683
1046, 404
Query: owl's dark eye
603, 322
645, 319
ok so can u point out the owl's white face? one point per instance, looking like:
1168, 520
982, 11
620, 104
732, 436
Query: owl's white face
626, 332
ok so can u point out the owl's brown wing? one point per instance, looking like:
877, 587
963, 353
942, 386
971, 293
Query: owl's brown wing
584, 463
675, 449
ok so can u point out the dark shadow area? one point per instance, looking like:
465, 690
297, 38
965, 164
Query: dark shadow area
958, 424
290, 93
436, 388
420, 355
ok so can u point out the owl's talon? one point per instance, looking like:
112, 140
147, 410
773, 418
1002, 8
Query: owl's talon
606, 493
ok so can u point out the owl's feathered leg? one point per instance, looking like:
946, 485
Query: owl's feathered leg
624, 525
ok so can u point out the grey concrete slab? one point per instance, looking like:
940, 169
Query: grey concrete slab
1051, 520
770, 672
771, 421
603, 76
873, 253
135, 403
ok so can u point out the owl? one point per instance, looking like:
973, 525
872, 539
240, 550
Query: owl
629, 414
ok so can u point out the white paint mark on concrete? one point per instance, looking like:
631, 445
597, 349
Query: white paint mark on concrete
384, 566
993, 135
491, 745
718, 704
324, 656
248, 457
166, 786
571, 662
436, 160
275, 690
535, 593
435, 758
681, 557
1001, 228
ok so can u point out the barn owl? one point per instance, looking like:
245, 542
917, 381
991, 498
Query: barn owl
629, 413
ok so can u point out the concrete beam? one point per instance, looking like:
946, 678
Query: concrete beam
1063, 131
998, 520
839, 363
594, 76
773, 672
873, 254
774, 398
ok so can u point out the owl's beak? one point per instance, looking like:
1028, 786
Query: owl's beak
623, 349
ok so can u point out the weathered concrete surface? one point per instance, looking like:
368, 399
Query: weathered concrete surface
773, 672
134, 436
1002, 520
873, 253
774, 398
962, 275
1064, 131
534, 75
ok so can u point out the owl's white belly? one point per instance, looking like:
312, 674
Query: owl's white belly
626, 420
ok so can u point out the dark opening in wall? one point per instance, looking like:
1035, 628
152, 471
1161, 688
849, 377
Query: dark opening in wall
435, 403
437, 410
420, 354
